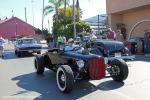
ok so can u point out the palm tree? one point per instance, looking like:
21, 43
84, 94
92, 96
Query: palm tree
66, 2
54, 5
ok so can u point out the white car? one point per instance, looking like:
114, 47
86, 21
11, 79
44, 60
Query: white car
2, 41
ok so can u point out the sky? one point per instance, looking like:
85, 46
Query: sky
34, 10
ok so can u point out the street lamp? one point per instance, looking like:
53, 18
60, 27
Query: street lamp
98, 24
42, 16
74, 21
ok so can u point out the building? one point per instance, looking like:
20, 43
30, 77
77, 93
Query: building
15, 27
129, 12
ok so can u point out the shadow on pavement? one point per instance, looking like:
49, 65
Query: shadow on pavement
10, 54
46, 85
142, 58
110, 85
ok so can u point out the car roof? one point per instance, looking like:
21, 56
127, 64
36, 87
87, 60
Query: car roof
107, 41
25, 38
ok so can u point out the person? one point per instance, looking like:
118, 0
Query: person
93, 37
119, 36
147, 41
111, 34
64, 40
70, 45
59, 41
51, 42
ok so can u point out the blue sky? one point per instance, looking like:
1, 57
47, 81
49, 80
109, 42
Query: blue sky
89, 7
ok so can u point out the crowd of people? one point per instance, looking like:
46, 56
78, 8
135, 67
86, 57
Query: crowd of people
114, 35
61, 40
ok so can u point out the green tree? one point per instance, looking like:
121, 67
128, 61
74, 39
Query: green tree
54, 5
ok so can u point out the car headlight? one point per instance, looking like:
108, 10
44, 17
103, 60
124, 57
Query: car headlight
80, 63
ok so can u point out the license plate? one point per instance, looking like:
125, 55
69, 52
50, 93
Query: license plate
118, 54
30, 51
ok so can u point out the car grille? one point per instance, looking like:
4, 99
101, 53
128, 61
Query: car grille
97, 68
30, 48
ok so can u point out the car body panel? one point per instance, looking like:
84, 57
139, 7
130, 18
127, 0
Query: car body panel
60, 57
113, 49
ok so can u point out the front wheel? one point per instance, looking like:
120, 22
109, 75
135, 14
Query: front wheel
65, 79
118, 69
39, 64
19, 53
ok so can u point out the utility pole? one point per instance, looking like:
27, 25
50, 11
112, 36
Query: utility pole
48, 26
32, 12
25, 15
74, 20
98, 24
12, 13
42, 16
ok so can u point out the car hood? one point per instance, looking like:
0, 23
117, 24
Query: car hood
112, 46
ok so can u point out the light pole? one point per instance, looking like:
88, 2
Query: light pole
98, 23
48, 26
74, 21
42, 16
32, 11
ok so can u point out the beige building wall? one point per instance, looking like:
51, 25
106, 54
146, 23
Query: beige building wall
129, 12
114, 6
131, 18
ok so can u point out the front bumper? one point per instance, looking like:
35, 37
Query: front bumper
29, 50
122, 57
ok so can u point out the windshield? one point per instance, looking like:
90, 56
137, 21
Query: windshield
26, 41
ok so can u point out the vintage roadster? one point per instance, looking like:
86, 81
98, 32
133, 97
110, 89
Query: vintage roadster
74, 65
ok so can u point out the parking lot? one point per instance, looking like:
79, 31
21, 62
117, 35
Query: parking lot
20, 82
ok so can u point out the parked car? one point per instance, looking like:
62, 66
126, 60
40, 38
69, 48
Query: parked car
2, 41
112, 49
135, 43
27, 45
72, 66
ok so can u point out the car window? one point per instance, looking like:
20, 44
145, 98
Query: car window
26, 41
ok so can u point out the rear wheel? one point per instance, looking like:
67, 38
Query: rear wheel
118, 69
19, 54
65, 79
39, 52
39, 64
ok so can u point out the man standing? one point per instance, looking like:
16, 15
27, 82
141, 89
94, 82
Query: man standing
111, 34
119, 36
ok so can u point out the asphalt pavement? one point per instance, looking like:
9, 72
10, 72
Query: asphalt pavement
18, 81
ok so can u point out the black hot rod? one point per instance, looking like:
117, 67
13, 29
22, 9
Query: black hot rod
73, 65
